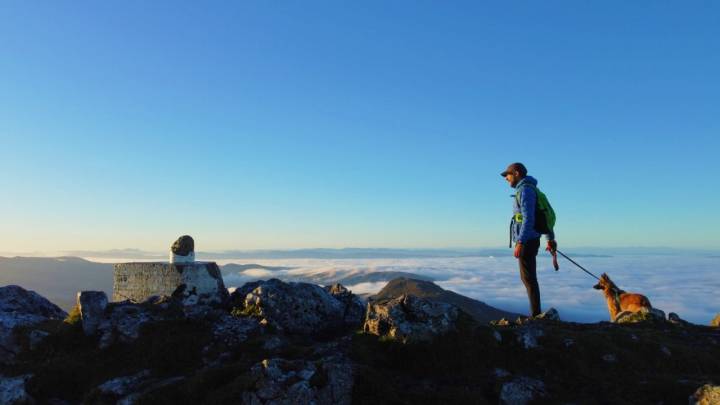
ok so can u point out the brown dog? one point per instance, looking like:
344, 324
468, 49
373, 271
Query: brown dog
618, 300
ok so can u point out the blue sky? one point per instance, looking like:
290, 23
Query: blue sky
337, 124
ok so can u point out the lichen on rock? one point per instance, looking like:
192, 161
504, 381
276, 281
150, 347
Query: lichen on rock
408, 318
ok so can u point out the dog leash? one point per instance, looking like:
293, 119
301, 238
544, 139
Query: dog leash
581, 267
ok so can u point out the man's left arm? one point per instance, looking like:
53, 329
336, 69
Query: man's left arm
528, 200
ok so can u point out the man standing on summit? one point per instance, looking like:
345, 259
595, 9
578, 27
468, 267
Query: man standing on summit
528, 223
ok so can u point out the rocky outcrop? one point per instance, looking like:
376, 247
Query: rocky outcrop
280, 381
12, 390
91, 305
354, 311
291, 308
430, 291
122, 323
410, 319
706, 395
211, 354
21, 309
644, 315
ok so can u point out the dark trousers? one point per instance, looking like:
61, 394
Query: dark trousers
528, 273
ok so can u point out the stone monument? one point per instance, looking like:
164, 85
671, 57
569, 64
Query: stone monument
183, 250
183, 277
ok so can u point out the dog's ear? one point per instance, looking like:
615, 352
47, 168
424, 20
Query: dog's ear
604, 277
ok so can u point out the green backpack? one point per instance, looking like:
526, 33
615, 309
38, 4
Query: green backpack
544, 213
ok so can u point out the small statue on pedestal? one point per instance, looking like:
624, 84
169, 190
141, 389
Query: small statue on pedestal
183, 250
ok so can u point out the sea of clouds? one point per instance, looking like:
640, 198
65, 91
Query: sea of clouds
682, 284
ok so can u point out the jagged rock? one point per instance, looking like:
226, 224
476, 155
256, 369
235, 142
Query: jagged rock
12, 390
716, 321
410, 319
21, 308
653, 315
293, 308
521, 391
706, 395
354, 309
123, 323
92, 306
549, 315
15, 299
280, 381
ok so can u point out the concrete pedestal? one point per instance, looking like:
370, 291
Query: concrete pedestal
202, 281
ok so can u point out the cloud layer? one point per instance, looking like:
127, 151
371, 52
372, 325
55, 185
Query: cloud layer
681, 284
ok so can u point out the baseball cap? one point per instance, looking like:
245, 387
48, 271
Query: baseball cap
513, 167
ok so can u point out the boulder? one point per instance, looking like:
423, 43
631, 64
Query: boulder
716, 321
91, 305
183, 250
183, 246
122, 323
549, 315
521, 391
12, 390
706, 395
291, 308
354, 309
408, 318
652, 315
20, 308
280, 381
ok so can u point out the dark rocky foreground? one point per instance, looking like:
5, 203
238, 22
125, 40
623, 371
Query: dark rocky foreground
295, 343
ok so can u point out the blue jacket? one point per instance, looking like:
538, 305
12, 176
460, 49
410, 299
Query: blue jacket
525, 230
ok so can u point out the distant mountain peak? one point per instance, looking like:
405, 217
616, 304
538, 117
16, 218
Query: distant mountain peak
427, 289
